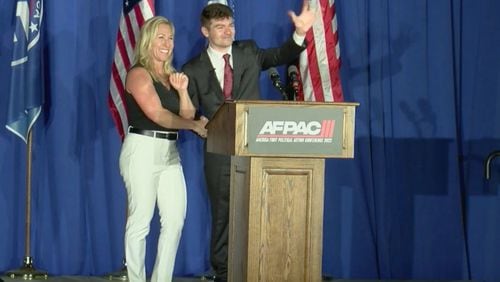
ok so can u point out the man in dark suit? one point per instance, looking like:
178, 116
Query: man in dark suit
230, 70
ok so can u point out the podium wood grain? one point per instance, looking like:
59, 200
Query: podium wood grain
276, 212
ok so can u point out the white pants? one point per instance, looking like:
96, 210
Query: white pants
152, 173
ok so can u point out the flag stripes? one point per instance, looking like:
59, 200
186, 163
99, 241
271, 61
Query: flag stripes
134, 14
319, 64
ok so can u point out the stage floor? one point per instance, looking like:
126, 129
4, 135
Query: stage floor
193, 279
91, 279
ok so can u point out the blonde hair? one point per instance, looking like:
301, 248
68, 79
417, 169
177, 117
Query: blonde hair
142, 55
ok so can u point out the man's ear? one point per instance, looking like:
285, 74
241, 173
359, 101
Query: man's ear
204, 31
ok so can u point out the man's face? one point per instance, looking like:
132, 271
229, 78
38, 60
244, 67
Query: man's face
220, 33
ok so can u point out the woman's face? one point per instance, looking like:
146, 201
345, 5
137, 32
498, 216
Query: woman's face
163, 43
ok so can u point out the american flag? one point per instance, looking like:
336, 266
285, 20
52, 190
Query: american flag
26, 89
319, 64
134, 14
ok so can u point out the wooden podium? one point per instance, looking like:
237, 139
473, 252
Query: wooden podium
277, 182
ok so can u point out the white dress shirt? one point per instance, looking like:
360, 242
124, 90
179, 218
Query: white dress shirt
218, 61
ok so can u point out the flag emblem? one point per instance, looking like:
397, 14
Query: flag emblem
26, 89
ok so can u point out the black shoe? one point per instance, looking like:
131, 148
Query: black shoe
207, 277
220, 279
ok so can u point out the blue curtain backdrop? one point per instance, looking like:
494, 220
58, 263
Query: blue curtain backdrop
412, 204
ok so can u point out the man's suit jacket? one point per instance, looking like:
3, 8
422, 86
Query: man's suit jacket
248, 61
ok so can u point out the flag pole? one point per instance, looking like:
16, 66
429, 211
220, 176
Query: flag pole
28, 271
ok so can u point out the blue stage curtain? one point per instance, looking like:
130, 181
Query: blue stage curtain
412, 204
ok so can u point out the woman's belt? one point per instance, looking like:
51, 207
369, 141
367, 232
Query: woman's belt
154, 133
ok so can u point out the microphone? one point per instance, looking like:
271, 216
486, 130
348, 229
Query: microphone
293, 77
275, 78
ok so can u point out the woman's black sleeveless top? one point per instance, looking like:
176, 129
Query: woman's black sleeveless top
136, 117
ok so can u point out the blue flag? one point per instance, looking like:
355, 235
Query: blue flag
26, 88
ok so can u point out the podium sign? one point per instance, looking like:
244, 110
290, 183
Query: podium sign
283, 129
297, 131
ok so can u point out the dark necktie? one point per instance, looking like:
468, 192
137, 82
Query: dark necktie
228, 78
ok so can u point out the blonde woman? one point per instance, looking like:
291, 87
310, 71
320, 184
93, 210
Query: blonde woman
158, 106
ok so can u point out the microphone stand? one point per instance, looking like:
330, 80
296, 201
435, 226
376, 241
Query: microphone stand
293, 93
285, 95
282, 90
275, 78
